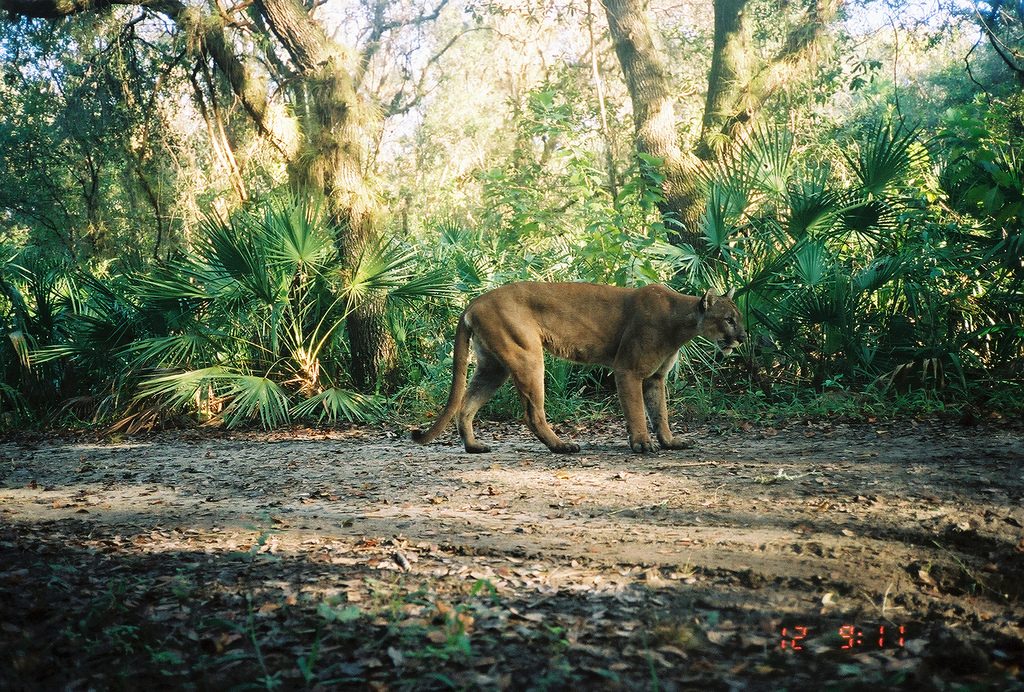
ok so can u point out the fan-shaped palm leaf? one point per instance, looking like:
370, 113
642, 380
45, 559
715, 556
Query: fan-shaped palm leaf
175, 282
724, 207
391, 267
297, 236
880, 272
253, 397
175, 350
335, 404
812, 263
884, 157
428, 284
765, 157
868, 216
242, 254
179, 389
813, 208
20, 342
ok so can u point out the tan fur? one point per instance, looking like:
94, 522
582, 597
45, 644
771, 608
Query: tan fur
636, 332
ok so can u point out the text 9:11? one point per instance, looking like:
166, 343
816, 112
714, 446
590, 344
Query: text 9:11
851, 638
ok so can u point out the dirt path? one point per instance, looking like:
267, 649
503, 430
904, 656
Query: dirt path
521, 567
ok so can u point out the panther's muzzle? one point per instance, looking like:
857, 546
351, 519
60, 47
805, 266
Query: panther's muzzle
727, 345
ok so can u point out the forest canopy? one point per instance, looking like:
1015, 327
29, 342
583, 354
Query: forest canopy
274, 210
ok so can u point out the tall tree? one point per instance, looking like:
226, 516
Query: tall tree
738, 86
647, 79
332, 119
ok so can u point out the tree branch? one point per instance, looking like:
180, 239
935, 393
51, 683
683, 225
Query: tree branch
250, 89
396, 106
996, 42
380, 27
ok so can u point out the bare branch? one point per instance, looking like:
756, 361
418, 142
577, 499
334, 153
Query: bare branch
396, 107
380, 27
997, 44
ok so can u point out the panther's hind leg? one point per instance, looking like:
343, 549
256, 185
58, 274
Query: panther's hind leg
528, 373
489, 375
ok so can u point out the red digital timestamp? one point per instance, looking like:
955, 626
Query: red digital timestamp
847, 637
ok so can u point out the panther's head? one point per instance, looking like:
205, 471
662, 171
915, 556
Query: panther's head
720, 321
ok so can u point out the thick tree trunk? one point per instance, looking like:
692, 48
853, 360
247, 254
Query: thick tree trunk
727, 78
736, 91
333, 119
654, 120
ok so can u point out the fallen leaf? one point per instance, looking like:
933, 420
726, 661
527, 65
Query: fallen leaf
396, 657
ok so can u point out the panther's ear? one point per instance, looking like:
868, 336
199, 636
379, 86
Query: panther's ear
706, 301
731, 293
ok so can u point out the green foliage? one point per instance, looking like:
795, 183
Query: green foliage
849, 272
89, 165
867, 254
984, 172
244, 328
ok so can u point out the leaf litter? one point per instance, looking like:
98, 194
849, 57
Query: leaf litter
336, 559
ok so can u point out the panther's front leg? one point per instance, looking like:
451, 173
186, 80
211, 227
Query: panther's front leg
630, 389
657, 408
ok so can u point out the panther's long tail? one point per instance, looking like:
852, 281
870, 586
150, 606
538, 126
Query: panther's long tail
460, 366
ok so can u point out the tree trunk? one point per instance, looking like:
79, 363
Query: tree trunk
726, 79
654, 120
736, 91
333, 121
609, 144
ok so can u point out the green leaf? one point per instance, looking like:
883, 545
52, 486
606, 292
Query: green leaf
885, 157
812, 263
298, 239
339, 615
180, 389
256, 397
242, 254
335, 404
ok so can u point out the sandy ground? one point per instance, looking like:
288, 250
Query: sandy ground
829, 530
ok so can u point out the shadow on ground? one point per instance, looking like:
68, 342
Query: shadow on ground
357, 559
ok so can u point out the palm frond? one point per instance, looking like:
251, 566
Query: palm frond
884, 157
381, 265
335, 404
174, 350
391, 267
297, 234
724, 207
253, 397
179, 389
472, 270
175, 281
49, 354
765, 156
242, 254
813, 208
812, 263
880, 272
827, 304
20, 342
1007, 252
429, 284
451, 233
11, 400
868, 216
